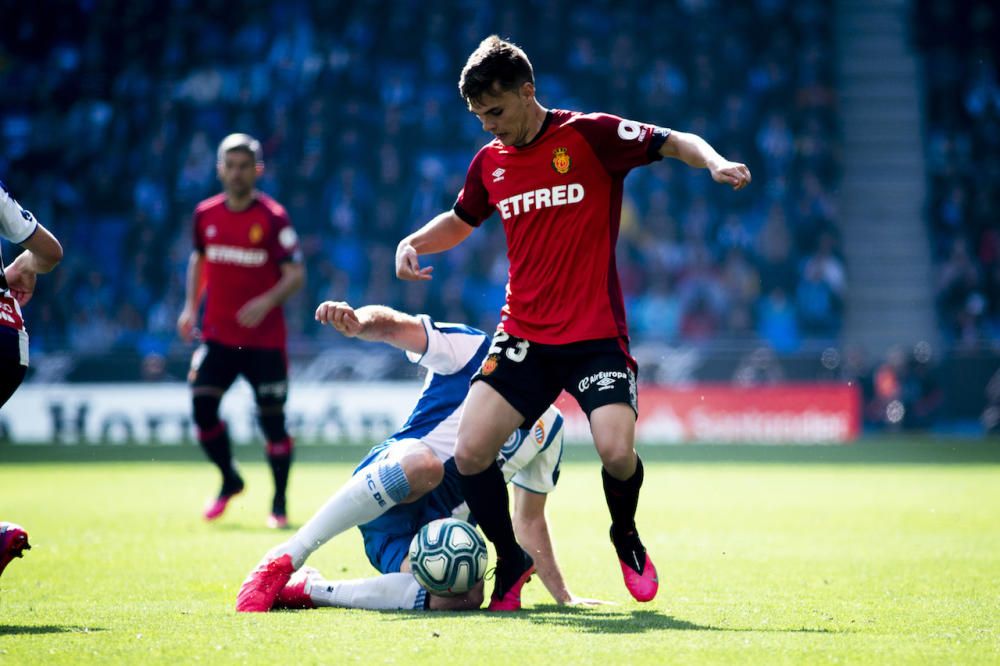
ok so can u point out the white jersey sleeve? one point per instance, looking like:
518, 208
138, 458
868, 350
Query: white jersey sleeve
450, 347
16, 224
539, 475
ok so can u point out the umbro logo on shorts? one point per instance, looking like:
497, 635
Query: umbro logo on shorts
602, 380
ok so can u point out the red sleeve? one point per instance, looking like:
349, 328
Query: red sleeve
284, 242
473, 203
621, 144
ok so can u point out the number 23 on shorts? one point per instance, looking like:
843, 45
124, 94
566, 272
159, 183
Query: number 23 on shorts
517, 353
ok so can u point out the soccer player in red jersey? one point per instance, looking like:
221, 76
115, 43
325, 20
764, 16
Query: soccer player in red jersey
556, 179
246, 262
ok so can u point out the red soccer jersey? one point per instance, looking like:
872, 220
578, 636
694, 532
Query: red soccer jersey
560, 200
243, 255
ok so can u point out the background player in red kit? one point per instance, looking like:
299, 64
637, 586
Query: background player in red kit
246, 262
556, 179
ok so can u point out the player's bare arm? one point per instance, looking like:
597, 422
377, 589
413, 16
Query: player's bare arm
192, 297
696, 152
532, 531
43, 254
442, 233
375, 323
293, 276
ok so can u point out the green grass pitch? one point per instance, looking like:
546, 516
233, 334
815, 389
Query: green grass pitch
883, 552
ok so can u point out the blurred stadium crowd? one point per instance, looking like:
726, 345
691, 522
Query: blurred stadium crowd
111, 142
960, 42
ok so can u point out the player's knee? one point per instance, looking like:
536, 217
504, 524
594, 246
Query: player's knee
272, 421
206, 412
471, 459
470, 462
620, 462
424, 472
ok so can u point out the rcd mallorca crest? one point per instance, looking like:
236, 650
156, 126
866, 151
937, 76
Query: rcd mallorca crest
256, 234
561, 160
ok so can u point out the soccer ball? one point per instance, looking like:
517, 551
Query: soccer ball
448, 557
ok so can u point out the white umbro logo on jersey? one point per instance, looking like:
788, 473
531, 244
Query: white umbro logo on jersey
498, 175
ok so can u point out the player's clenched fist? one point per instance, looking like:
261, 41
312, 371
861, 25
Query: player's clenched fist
730, 173
340, 315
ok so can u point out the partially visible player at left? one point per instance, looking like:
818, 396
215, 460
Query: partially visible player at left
17, 285
13, 543
246, 263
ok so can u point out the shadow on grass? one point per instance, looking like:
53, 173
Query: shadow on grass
595, 621
13, 629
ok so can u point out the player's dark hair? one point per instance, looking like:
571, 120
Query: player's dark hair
495, 64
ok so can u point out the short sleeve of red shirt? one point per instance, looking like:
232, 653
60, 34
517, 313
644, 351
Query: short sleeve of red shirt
283, 244
621, 144
473, 204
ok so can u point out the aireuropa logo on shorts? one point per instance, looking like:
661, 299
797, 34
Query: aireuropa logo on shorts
602, 380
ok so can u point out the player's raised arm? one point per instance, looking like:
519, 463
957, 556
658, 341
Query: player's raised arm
696, 152
375, 323
442, 233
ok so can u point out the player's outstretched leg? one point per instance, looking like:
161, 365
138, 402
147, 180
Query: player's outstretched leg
393, 591
13, 543
638, 570
373, 490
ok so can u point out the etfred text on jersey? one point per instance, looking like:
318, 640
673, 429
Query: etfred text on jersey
545, 197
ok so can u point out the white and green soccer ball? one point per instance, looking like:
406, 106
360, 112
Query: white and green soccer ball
448, 557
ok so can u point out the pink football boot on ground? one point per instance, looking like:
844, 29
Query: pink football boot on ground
507, 587
13, 543
641, 579
216, 507
264, 583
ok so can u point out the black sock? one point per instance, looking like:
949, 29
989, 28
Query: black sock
215, 444
623, 498
486, 495
280, 465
